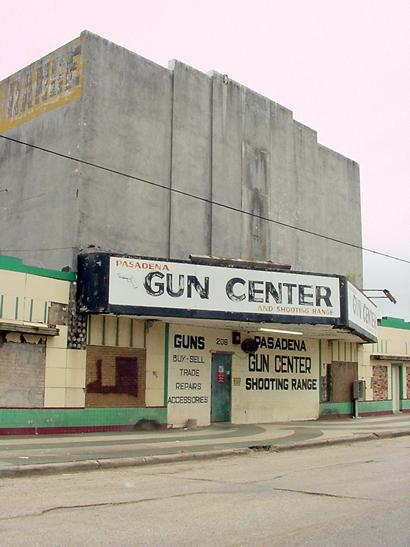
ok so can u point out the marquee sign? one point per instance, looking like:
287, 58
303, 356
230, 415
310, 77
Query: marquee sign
361, 312
164, 288
185, 286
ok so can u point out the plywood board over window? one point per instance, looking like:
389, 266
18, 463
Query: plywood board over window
115, 377
340, 381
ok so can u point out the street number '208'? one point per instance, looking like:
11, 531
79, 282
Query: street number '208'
222, 341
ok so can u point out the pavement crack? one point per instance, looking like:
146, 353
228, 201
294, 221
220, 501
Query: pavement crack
222, 481
179, 476
324, 494
268, 479
102, 504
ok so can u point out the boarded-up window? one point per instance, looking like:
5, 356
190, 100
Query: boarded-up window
22, 374
115, 376
340, 381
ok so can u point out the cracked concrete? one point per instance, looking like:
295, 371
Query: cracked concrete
325, 494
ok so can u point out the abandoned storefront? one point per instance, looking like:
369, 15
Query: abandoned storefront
211, 342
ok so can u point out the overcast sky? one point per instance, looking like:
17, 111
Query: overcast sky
341, 66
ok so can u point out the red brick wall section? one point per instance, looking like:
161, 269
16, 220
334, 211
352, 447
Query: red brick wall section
106, 386
379, 383
408, 381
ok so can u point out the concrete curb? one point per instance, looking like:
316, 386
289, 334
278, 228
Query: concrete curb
317, 443
116, 463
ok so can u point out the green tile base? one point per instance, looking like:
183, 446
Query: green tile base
81, 419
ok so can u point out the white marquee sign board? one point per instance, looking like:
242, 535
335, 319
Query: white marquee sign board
361, 312
160, 284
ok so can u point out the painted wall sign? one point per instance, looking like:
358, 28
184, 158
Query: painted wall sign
279, 381
183, 286
188, 376
361, 312
53, 81
291, 369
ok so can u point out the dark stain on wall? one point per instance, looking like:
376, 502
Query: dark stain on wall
255, 199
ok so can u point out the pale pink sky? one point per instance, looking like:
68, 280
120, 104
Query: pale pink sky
340, 65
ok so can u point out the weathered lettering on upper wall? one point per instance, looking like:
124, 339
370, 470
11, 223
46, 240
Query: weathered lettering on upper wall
53, 81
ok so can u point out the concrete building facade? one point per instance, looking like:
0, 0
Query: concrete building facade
177, 168
200, 134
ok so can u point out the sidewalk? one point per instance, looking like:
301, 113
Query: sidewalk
46, 454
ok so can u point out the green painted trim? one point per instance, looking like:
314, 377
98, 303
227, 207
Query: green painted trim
375, 406
16, 308
405, 404
117, 331
131, 333
103, 331
60, 417
329, 409
1, 306
13, 264
394, 323
45, 312
31, 310
166, 356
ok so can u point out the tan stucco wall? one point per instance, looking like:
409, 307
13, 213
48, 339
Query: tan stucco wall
26, 301
391, 342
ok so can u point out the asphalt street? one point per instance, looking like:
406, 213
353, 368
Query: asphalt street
351, 494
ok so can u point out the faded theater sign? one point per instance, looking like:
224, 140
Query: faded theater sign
51, 82
182, 286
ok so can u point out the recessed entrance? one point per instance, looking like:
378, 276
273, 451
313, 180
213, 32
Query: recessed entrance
221, 387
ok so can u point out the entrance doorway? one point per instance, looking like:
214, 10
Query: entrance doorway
221, 387
395, 387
